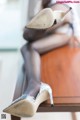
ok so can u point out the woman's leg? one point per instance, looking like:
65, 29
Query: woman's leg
25, 82
32, 68
31, 57
53, 41
60, 37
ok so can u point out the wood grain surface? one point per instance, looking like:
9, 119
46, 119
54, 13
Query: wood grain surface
61, 70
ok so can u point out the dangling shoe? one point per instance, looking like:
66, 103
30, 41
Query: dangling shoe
26, 106
46, 18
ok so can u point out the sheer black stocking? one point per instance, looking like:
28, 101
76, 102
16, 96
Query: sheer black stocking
32, 68
30, 53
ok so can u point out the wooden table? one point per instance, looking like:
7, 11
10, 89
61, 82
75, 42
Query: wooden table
61, 70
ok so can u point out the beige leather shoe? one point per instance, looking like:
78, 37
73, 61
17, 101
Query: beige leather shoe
46, 17
26, 106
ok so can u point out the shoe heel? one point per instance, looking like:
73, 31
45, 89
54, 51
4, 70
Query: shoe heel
51, 97
49, 90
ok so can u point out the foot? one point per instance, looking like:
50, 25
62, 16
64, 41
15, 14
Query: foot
33, 88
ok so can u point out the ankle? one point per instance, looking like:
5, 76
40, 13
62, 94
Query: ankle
33, 81
33, 88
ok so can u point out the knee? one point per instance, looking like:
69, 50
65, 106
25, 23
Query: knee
65, 29
26, 34
29, 34
26, 47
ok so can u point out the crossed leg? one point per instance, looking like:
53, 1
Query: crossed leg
31, 54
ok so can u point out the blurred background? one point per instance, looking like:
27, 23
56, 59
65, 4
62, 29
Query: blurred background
14, 15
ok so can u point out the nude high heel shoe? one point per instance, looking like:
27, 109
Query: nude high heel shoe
27, 106
46, 18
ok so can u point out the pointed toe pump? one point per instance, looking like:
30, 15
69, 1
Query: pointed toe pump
26, 106
46, 18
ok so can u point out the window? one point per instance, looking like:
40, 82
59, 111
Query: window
10, 24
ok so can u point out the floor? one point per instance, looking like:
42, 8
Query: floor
9, 67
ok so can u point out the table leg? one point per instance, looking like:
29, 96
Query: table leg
73, 114
15, 118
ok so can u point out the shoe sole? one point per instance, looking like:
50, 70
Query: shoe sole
43, 20
25, 108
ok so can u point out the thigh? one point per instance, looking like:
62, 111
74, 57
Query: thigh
48, 43
60, 37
